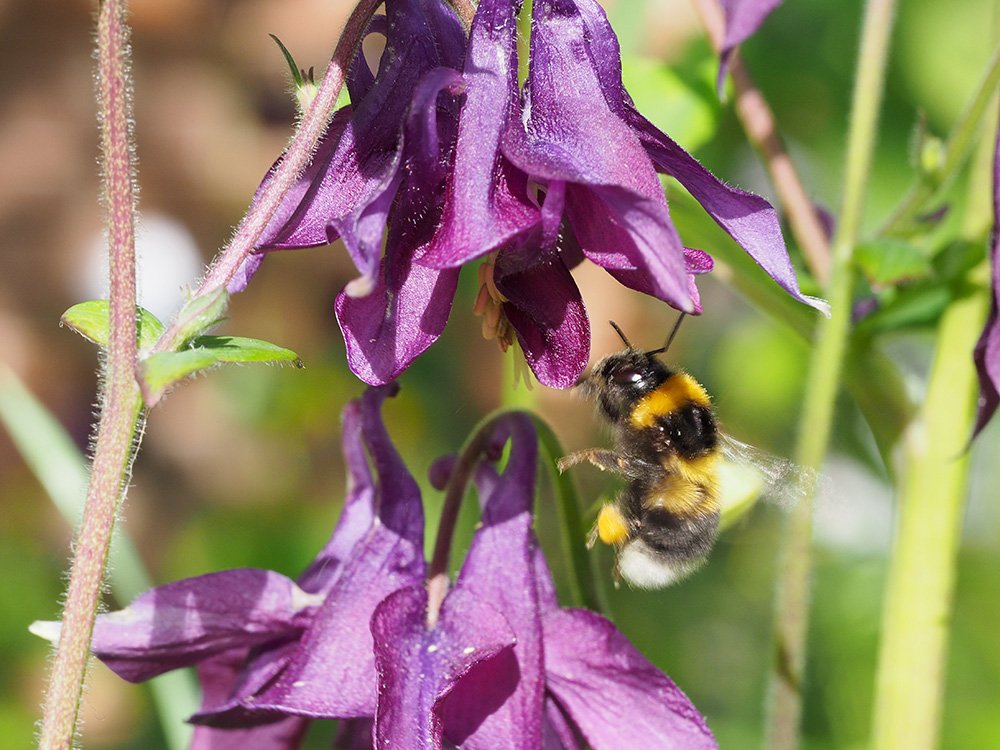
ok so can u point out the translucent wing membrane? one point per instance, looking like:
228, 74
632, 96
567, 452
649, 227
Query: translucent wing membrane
748, 474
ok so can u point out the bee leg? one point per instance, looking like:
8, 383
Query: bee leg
604, 460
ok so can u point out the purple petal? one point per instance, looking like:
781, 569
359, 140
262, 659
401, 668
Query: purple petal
613, 694
181, 623
614, 200
696, 262
408, 307
237, 707
487, 203
743, 18
348, 189
398, 321
332, 672
559, 733
217, 677
359, 508
747, 218
545, 308
987, 352
499, 571
419, 667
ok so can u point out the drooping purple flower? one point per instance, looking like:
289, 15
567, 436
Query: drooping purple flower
987, 353
269, 648
568, 680
498, 664
364, 162
743, 18
444, 153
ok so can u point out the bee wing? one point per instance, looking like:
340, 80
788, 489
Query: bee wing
748, 474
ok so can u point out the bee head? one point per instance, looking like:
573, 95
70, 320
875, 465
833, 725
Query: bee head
618, 381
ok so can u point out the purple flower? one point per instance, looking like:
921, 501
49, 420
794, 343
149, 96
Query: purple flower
550, 677
496, 664
743, 18
456, 166
987, 352
271, 650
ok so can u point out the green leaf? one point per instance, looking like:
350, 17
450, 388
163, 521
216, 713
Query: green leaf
90, 320
163, 369
957, 259
910, 307
240, 349
200, 314
888, 262
686, 108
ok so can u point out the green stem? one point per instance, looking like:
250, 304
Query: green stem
792, 614
572, 532
930, 184
121, 405
921, 578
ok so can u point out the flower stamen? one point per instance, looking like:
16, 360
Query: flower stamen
489, 304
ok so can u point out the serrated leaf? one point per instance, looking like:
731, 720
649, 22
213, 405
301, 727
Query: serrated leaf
90, 320
891, 261
163, 369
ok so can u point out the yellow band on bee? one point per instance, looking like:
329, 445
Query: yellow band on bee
611, 525
676, 391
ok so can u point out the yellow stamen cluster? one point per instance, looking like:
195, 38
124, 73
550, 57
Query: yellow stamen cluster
489, 304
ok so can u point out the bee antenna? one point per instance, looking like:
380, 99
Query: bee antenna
670, 338
621, 335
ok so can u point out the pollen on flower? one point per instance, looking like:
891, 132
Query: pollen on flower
489, 304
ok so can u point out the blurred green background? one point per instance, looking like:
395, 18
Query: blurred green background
242, 467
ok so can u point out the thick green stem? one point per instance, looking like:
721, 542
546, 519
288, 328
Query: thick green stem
121, 406
917, 614
792, 614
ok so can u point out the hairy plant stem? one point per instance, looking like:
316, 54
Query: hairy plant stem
792, 607
121, 406
759, 124
296, 158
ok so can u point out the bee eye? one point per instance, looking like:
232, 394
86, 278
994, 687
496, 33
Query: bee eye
629, 376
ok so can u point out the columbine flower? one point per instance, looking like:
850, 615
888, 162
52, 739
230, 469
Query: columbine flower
554, 678
987, 352
532, 181
271, 650
496, 664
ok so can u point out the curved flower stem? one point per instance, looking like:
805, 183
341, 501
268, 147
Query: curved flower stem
121, 406
956, 149
438, 579
296, 158
583, 588
762, 131
792, 609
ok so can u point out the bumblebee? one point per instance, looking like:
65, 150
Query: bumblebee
669, 448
